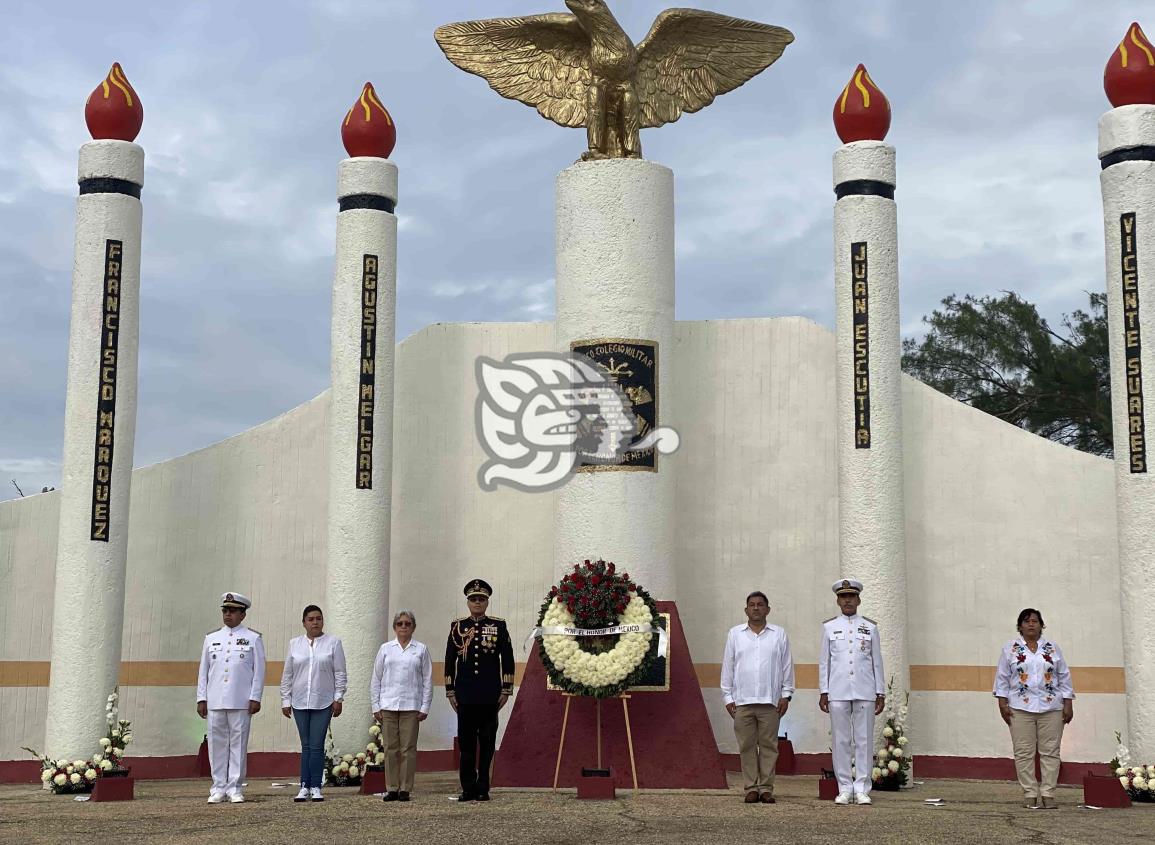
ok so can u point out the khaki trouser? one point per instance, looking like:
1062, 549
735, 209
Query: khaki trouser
1041, 732
399, 733
756, 729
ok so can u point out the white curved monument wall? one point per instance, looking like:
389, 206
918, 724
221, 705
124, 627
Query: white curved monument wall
996, 520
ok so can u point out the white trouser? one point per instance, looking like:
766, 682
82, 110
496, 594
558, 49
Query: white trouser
852, 722
228, 748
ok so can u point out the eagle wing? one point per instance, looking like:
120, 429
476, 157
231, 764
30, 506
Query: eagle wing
541, 60
690, 57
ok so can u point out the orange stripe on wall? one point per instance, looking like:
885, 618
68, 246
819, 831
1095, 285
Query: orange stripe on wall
923, 678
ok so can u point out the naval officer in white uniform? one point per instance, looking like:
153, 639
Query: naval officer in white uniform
229, 688
852, 689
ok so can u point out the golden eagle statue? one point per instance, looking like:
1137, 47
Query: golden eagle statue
583, 70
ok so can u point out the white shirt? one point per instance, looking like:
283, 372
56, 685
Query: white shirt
402, 677
232, 670
314, 675
1035, 682
757, 668
850, 659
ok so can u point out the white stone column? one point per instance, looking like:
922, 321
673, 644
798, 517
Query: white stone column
1127, 155
615, 279
871, 513
99, 429
361, 429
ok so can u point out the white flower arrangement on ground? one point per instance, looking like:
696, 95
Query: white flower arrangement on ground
347, 769
72, 776
596, 596
892, 761
1139, 781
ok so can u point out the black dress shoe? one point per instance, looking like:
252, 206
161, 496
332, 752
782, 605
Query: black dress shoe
482, 796
466, 796
390, 796
402, 796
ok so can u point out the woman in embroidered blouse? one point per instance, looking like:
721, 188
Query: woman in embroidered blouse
312, 688
401, 692
1033, 686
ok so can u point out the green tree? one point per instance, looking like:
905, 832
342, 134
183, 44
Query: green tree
998, 355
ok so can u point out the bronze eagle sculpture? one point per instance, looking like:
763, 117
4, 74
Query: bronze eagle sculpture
583, 70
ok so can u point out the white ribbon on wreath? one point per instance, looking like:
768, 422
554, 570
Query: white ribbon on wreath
566, 631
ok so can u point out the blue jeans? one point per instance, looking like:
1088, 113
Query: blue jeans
312, 725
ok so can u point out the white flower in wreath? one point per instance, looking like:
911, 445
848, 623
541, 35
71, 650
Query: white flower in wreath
1139, 782
80, 764
892, 765
888, 732
90, 774
106, 765
46, 775
74, 778
1136, 770
875, 773
374, 730
115, 734
60, 780
335, 771
380, 758
883, 753
898, 752
372, 748
1150, 772
354, 771
1120, 772
348, 758
902, 740
1126, 781
117, 752
127, 738
69, 769
105, 742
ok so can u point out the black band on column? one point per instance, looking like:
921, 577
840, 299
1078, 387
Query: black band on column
1132, 154
864, 188
109, 186
373, 201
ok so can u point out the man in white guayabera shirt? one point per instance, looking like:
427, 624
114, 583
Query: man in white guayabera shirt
757, 685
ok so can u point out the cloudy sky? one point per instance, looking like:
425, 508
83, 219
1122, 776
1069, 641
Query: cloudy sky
995, 109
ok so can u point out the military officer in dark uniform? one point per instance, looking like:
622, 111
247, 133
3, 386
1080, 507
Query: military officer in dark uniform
478, 682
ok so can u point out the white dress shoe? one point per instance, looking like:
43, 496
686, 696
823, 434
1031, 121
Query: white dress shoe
862, 798
216, 797
237, 798
315, 794
843, 798
303, 795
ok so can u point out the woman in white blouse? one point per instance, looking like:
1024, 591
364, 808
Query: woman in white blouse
312, 687
1033, 686
401, 692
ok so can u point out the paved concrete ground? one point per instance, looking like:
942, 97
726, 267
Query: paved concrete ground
175, 812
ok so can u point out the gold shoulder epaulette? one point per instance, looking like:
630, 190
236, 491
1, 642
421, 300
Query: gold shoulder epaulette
495, 618
831, 619
868, 619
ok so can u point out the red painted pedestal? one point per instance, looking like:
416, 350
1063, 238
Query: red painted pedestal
598, 787
827, 787
1100, 791
786, 762
674, 745
113, 789
373, 781
204, 770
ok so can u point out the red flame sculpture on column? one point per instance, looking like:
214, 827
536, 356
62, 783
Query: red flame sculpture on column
113, 110
1129, 78
368, 129
861, 112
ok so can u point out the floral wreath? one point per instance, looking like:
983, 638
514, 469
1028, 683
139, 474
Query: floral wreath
597, 598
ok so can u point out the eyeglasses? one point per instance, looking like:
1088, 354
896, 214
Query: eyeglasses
402, 624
